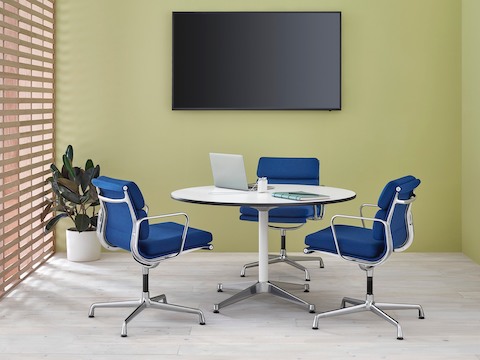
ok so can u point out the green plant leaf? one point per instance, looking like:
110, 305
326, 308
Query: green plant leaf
87, 179
78, 175
88, 164
54, 169
51, 223
69, 152
69, 195
67, 163
69, 184
55, 188
85, 198
88, 175
82, 222
64, 172
48, 205
93, 196
96, 173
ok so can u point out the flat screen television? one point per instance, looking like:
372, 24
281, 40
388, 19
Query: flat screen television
256, 61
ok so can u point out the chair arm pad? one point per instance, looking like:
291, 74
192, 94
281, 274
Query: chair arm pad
161, 216
134, 244
361, 218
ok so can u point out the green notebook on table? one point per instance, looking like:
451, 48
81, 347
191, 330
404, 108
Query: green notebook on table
299, 195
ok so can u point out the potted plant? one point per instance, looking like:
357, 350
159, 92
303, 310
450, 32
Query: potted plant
76, 198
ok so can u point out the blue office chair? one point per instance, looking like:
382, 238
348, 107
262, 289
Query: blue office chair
279, 170
123, 223
392, 231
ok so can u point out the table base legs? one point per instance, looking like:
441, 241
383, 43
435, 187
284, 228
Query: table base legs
260, 288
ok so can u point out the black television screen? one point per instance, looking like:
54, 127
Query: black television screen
257, 60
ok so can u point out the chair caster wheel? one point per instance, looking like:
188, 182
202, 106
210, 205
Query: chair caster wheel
315, 328
216, 311
399, 338
202, 323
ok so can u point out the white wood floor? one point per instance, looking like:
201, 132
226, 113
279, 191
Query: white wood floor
46, 316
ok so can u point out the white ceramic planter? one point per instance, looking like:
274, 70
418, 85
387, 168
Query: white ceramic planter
83, 246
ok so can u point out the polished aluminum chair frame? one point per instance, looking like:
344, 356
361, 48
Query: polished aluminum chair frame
369, 303
145, 301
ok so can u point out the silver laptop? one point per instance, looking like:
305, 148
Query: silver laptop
228, 171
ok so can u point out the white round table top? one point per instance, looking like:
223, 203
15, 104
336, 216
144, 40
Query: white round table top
219, 196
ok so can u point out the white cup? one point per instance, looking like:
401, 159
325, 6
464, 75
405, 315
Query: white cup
262, 185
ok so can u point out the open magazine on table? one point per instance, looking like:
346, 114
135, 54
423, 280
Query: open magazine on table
299, 195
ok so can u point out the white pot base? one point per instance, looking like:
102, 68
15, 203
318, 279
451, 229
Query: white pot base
83, 246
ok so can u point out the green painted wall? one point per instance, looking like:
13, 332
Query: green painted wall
401, 111
471, 128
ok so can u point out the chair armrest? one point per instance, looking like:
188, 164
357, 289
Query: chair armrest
388, 237
153, 217
134, 240
361, 218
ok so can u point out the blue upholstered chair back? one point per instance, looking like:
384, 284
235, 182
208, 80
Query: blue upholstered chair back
399, 218
119, 217
281, 170
289, 170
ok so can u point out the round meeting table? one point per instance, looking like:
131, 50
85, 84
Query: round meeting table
263, 202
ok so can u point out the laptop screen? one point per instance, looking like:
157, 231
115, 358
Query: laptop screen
228, 171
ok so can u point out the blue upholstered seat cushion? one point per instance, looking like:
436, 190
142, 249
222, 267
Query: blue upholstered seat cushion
155, 240
284, 214
369, 244
357, 242
166, 238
